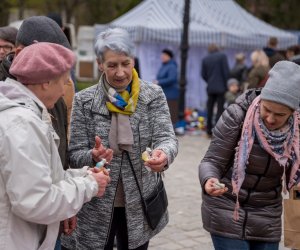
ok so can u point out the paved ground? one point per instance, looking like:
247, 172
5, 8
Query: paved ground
184, 230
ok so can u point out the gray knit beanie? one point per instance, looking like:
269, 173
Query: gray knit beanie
8, 34
41, 29
283, 84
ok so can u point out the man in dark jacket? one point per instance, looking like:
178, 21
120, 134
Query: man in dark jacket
215, 71
42, 29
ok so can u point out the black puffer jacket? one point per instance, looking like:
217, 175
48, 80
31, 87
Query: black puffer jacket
260, 195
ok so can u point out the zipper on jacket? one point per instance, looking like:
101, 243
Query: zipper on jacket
113, 207
268, 165
244, 225
248, 196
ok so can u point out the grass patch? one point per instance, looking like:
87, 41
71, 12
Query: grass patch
83, 85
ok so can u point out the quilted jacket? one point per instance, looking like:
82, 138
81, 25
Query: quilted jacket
260, 195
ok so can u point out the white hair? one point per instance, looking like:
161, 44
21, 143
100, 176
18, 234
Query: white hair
117, 40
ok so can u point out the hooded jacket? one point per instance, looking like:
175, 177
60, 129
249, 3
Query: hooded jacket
260, 195
60, 113
35, 193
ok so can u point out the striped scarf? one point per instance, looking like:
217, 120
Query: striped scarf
282, 144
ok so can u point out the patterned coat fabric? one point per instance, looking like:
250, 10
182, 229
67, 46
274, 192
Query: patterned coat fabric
260, 195
151, 125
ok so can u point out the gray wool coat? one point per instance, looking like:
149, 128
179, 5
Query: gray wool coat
151, 125
260, 195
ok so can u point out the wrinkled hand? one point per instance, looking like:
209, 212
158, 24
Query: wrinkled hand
99, 152
102, 178
157, 161
211, 190
98, 170
69, 225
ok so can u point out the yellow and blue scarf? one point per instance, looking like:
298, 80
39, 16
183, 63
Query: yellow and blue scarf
124, 102
121, 105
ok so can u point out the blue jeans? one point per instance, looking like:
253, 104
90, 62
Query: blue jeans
224, 243
58, 244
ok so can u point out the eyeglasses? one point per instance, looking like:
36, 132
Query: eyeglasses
6, 48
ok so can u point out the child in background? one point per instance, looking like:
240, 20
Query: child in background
233, 92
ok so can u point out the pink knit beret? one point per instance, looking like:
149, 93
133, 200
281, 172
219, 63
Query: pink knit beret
41, 62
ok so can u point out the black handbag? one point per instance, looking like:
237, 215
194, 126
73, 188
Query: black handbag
155, 205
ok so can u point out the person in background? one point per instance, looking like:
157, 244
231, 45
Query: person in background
129, 115
167, 78
7, 40
233, 92
215, 72
253, 157
35, 192
137, 65
272, 52
258, 73
293, 54
71, 85
240, 69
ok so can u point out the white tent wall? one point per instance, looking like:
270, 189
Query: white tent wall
155, 25
149, 59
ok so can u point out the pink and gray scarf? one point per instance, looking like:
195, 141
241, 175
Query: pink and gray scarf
282, 144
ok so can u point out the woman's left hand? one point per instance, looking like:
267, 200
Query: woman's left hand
157, 161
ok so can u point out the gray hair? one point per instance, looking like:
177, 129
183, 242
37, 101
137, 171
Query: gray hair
117, 40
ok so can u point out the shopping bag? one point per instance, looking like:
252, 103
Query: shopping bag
292, 219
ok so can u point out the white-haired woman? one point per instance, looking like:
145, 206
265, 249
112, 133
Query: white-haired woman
128, 115
255, 146
258, 74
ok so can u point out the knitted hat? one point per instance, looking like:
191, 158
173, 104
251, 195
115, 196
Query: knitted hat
41, 62
8, 34
283, 84
168, 52
56, 17
232, 81
41, 29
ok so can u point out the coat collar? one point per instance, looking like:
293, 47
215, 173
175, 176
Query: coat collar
99, 101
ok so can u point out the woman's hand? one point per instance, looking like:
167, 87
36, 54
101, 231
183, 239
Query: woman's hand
211, 189
70, 225
99, 152
158, 160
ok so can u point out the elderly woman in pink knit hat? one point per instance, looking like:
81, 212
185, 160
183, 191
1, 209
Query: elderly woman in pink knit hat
35, 192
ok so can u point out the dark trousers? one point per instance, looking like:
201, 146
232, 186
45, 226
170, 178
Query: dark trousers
212, 99
224, 243
173, 107
119, 229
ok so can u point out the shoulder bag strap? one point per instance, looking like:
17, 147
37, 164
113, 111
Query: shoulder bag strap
134, 175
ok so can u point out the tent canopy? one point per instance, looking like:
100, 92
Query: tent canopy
156, 24
211, 21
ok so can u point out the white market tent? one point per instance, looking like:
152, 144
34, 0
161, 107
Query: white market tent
156, 24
